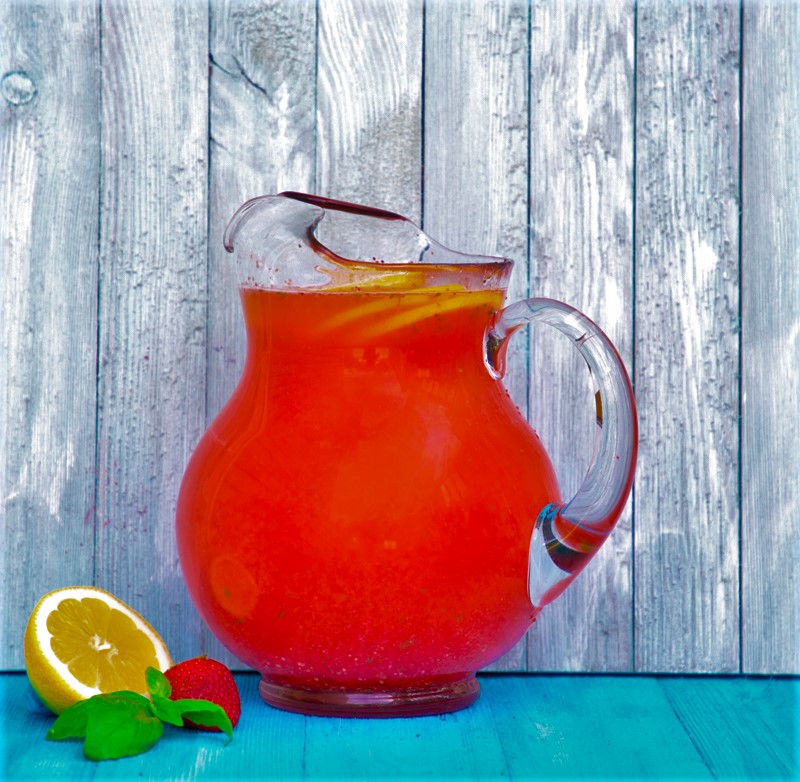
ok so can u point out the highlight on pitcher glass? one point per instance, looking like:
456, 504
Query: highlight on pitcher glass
370, 520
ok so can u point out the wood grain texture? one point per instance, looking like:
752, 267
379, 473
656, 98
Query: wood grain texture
521, 728
153, 251
113, 198
598, 727
476, 159
262, 128
760, 742
369, 103
581, 180
687, 341
771, 338
463, 745
49, 182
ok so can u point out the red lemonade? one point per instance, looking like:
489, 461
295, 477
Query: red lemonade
360, 512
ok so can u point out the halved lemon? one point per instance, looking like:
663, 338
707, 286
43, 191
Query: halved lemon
82, 641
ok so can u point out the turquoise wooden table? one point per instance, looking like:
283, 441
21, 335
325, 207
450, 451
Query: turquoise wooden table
522, 727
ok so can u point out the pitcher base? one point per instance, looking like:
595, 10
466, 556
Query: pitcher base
439, 698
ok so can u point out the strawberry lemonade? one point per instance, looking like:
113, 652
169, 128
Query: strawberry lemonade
356, 521
370, 520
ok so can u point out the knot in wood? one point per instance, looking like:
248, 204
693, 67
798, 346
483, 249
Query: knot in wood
17, 87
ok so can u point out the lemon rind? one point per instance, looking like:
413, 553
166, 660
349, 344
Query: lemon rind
54, 669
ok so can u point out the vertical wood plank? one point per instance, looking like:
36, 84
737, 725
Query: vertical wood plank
153, 251
581, 205
771, 338
262, 127
686, 510
369, 99
49, 185
476, 149
165, 370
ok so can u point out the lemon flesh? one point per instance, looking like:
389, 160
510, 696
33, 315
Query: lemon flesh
83, 641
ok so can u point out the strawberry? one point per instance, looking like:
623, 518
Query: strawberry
208, 679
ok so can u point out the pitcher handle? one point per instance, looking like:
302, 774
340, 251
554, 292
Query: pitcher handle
566, 536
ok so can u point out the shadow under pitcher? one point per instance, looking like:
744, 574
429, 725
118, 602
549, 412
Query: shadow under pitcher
370, 520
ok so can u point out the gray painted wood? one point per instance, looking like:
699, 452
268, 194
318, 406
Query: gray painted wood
113, 197
49, 181
581, 205
771, 339
262, 131
687, 341
153, 257
476, 161
369, 103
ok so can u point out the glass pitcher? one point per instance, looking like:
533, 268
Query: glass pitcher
370, 520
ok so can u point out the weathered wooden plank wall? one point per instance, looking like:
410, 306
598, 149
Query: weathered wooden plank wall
639, 160
262, 85
49, 202
770, 366
475, 134
581, 164
152, 292
686, 297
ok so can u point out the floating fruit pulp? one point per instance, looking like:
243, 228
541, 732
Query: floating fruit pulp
360, 511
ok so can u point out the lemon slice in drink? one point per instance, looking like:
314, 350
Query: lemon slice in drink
82, 641
410, 315
381, 281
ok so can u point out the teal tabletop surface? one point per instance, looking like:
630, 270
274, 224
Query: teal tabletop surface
522, 727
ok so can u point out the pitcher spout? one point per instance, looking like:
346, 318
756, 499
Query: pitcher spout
269, 239
299, 241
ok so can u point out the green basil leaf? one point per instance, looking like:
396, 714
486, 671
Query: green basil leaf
205, 713
119, 726
157, 683
167, 710
71, 723
134, 700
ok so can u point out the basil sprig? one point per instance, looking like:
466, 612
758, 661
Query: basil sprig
120, 724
